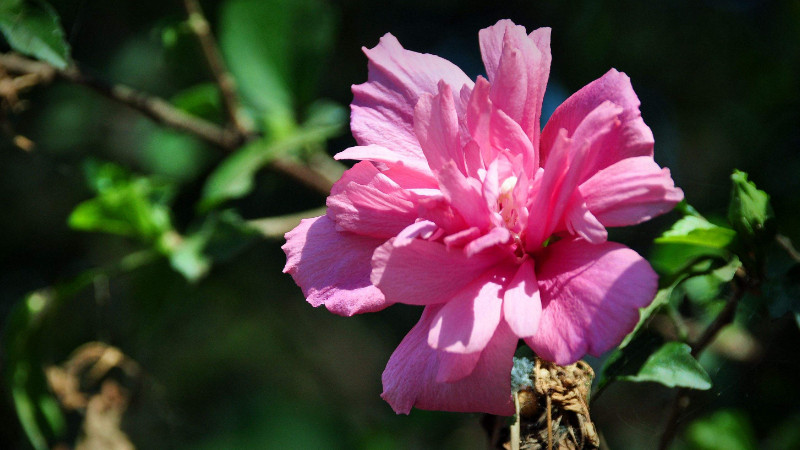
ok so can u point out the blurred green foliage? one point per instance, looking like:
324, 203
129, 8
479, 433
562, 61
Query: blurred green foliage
174, 275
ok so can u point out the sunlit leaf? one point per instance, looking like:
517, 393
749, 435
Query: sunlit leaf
685, 246
275, 50
707, 287
130, 209
723, 430
33, 28
750, 214
188, 258
674, 366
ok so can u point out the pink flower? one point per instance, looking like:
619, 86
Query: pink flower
461, 204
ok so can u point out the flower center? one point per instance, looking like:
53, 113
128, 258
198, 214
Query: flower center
507, 205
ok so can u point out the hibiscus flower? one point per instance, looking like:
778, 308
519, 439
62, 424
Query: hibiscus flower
461, 203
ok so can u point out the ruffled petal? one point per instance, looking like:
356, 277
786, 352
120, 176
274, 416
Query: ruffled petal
632, 138
383, 107
423, 272
565, 169
591, 295
631, 191
412, 376
333, 268
580, 221
464, 197
436, 125
522, 304
534, 53
493, 130
367, 203
469, 319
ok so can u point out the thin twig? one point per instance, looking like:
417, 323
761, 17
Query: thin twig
724, 318
786, 244
227, 85
164, 113
157, 109
276, 227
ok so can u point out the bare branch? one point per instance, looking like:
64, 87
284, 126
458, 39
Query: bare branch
157, 109
227, 85
161, 111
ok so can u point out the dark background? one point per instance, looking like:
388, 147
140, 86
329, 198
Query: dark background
239, 360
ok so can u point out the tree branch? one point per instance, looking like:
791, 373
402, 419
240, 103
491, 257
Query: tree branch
162, 112
157, 109
724, 318
227, 85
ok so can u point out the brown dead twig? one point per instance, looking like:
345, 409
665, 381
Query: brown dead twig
98, 381
554, 412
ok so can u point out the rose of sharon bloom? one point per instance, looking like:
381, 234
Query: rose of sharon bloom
461, 203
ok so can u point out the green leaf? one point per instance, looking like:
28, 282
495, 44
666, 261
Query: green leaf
41, 422
175, 155
188, 258
688, 246
672, 365
234, 177
125, 205
723, 430
629, 357
697, 231
663, 297
221, 236
254, 38
750, 214
275, 50
202, 100
749, 211
33, 28
707, 287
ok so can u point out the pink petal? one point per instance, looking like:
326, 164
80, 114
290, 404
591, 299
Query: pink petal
580, 221
423, 272
632, 138
455, 366
462, 238
467, 322
631, 191
565, 169
464, 196
496, 236
534, 50
333, 268
422, 229
591, 295
493, 130
366, 202
436, 125
412, 376
438, 210
383, 107
379, 154
510, 83
522, 304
